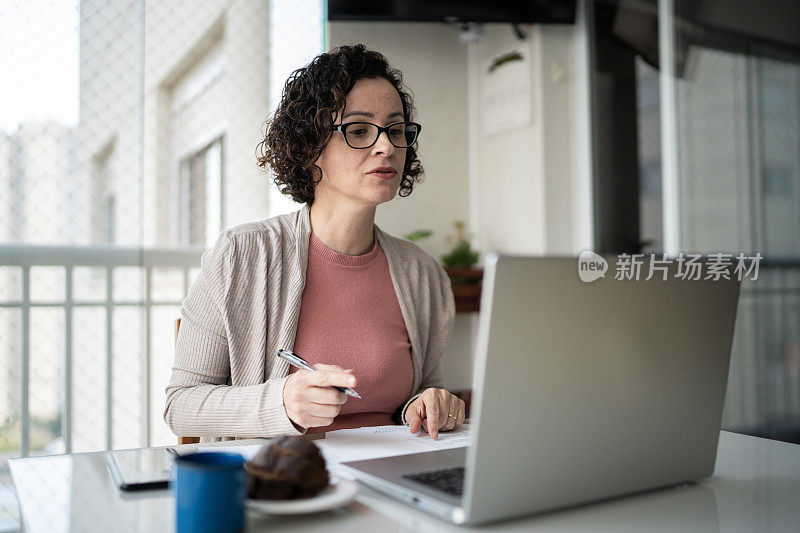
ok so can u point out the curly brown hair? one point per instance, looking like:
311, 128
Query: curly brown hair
303, 123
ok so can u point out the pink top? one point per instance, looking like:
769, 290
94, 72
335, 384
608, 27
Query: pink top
350, 316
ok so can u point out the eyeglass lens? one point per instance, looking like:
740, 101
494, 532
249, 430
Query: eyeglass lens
364, 134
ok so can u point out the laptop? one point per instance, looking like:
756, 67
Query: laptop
582, 391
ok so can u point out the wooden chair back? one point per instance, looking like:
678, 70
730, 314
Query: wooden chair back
183, 440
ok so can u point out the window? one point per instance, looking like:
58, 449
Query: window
733, 104
200, 199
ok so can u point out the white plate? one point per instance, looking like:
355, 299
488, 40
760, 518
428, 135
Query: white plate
338, 493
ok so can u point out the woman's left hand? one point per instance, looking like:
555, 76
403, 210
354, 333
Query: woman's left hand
435, 410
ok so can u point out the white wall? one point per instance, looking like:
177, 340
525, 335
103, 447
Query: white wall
247, 104
526, 177
185, 43
109, 108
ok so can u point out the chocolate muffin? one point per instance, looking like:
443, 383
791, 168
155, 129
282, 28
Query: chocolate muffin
288, 468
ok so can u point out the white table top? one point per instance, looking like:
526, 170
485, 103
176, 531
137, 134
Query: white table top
756, 486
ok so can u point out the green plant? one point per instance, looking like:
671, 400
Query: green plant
462, 254
418, 235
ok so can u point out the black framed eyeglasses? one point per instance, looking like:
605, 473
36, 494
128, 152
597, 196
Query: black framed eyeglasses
362, 135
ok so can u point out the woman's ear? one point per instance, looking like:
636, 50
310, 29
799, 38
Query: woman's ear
316, 172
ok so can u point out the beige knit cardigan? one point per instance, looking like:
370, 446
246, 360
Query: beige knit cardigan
227, 381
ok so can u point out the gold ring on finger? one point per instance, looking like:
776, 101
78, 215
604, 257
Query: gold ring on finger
451, 416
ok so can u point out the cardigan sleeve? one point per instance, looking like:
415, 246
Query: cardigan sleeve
199, 398
442, 319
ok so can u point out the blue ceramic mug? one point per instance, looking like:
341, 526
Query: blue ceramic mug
210, 490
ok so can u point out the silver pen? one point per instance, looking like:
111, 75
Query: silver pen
298, 362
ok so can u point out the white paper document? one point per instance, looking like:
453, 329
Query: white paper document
385, 441
367, 443
382, 441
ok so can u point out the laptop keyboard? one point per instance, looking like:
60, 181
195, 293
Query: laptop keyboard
449, 480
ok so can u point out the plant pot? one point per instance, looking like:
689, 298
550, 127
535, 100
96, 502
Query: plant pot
467, 283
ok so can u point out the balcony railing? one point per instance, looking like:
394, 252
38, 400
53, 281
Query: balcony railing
763, 395
764, 388
24, 258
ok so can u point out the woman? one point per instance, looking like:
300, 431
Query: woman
370, 310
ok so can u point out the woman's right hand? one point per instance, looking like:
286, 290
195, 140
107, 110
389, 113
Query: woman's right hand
309, 397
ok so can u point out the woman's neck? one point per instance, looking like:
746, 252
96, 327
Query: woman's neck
347, 229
